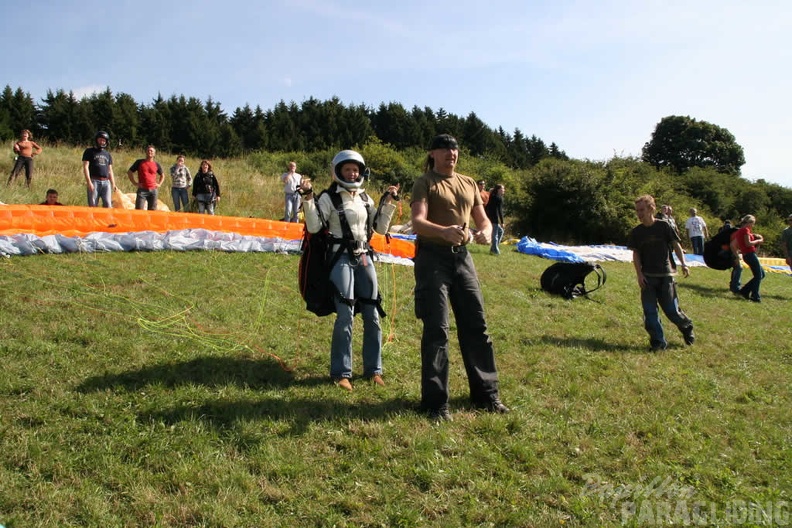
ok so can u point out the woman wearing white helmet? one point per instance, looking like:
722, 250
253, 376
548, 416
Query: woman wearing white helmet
351, 222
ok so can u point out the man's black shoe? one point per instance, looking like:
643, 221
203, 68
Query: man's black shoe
440, 415
494, 406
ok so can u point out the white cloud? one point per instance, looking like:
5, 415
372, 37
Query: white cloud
87, 91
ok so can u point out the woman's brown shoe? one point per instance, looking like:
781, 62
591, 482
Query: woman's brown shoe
344, 383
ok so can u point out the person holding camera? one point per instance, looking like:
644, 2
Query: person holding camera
24, 149
351, 225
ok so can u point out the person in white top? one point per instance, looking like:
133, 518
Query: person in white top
353, 274
697, 231
291, 183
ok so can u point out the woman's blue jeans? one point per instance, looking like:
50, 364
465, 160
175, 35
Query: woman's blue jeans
180, 198
751, 288
356, 279
497, 236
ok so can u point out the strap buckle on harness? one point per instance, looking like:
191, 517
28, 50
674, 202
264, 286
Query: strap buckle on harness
457, 249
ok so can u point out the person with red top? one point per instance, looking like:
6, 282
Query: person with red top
24, 150
150, 177
746, 242
485, 195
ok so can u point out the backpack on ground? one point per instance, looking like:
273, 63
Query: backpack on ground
568, 279
318, 258
717, 250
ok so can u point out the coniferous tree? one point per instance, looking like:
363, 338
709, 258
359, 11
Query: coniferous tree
518, 153
64, 119
314, 125
394, 125
259, 137
21, 110
356, 128
448, 124
127, 120
425, 126
230, 144
475, 135
101, 111
283, 128
156, 122
6, 126
557, 153
537, 150
242, 121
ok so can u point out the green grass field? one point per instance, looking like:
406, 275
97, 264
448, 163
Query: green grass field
191, 389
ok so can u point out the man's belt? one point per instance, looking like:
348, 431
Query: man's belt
441, 248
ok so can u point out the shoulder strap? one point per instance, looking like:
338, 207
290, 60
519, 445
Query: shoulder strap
338, 205
599, 271
369, 224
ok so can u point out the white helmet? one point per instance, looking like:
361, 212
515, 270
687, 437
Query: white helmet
346, 156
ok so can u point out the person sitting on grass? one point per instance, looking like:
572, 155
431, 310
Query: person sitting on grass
52, 198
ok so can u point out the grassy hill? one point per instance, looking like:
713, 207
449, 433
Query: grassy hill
246, 191
190, 389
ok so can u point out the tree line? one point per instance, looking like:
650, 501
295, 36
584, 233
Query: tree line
203, 129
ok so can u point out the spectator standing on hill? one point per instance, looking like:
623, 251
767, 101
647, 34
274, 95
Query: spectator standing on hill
667, 214
697, 231
494, 210
98, 171
24, 149
485, 195
181, 180
291, 182
652, 261
786, 241
51, 198
150, 177
206, 188
746, 242
353, 275
443, 202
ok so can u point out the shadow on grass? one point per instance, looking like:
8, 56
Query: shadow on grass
294, 414
724, 292
592, 344
288, 412
209, 371
705, 290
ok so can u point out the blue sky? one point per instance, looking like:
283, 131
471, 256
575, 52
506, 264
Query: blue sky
593, 77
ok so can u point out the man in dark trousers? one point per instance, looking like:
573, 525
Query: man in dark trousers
98, 171
442, 204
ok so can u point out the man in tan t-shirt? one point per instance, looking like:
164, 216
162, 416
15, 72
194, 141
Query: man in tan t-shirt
443, 201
